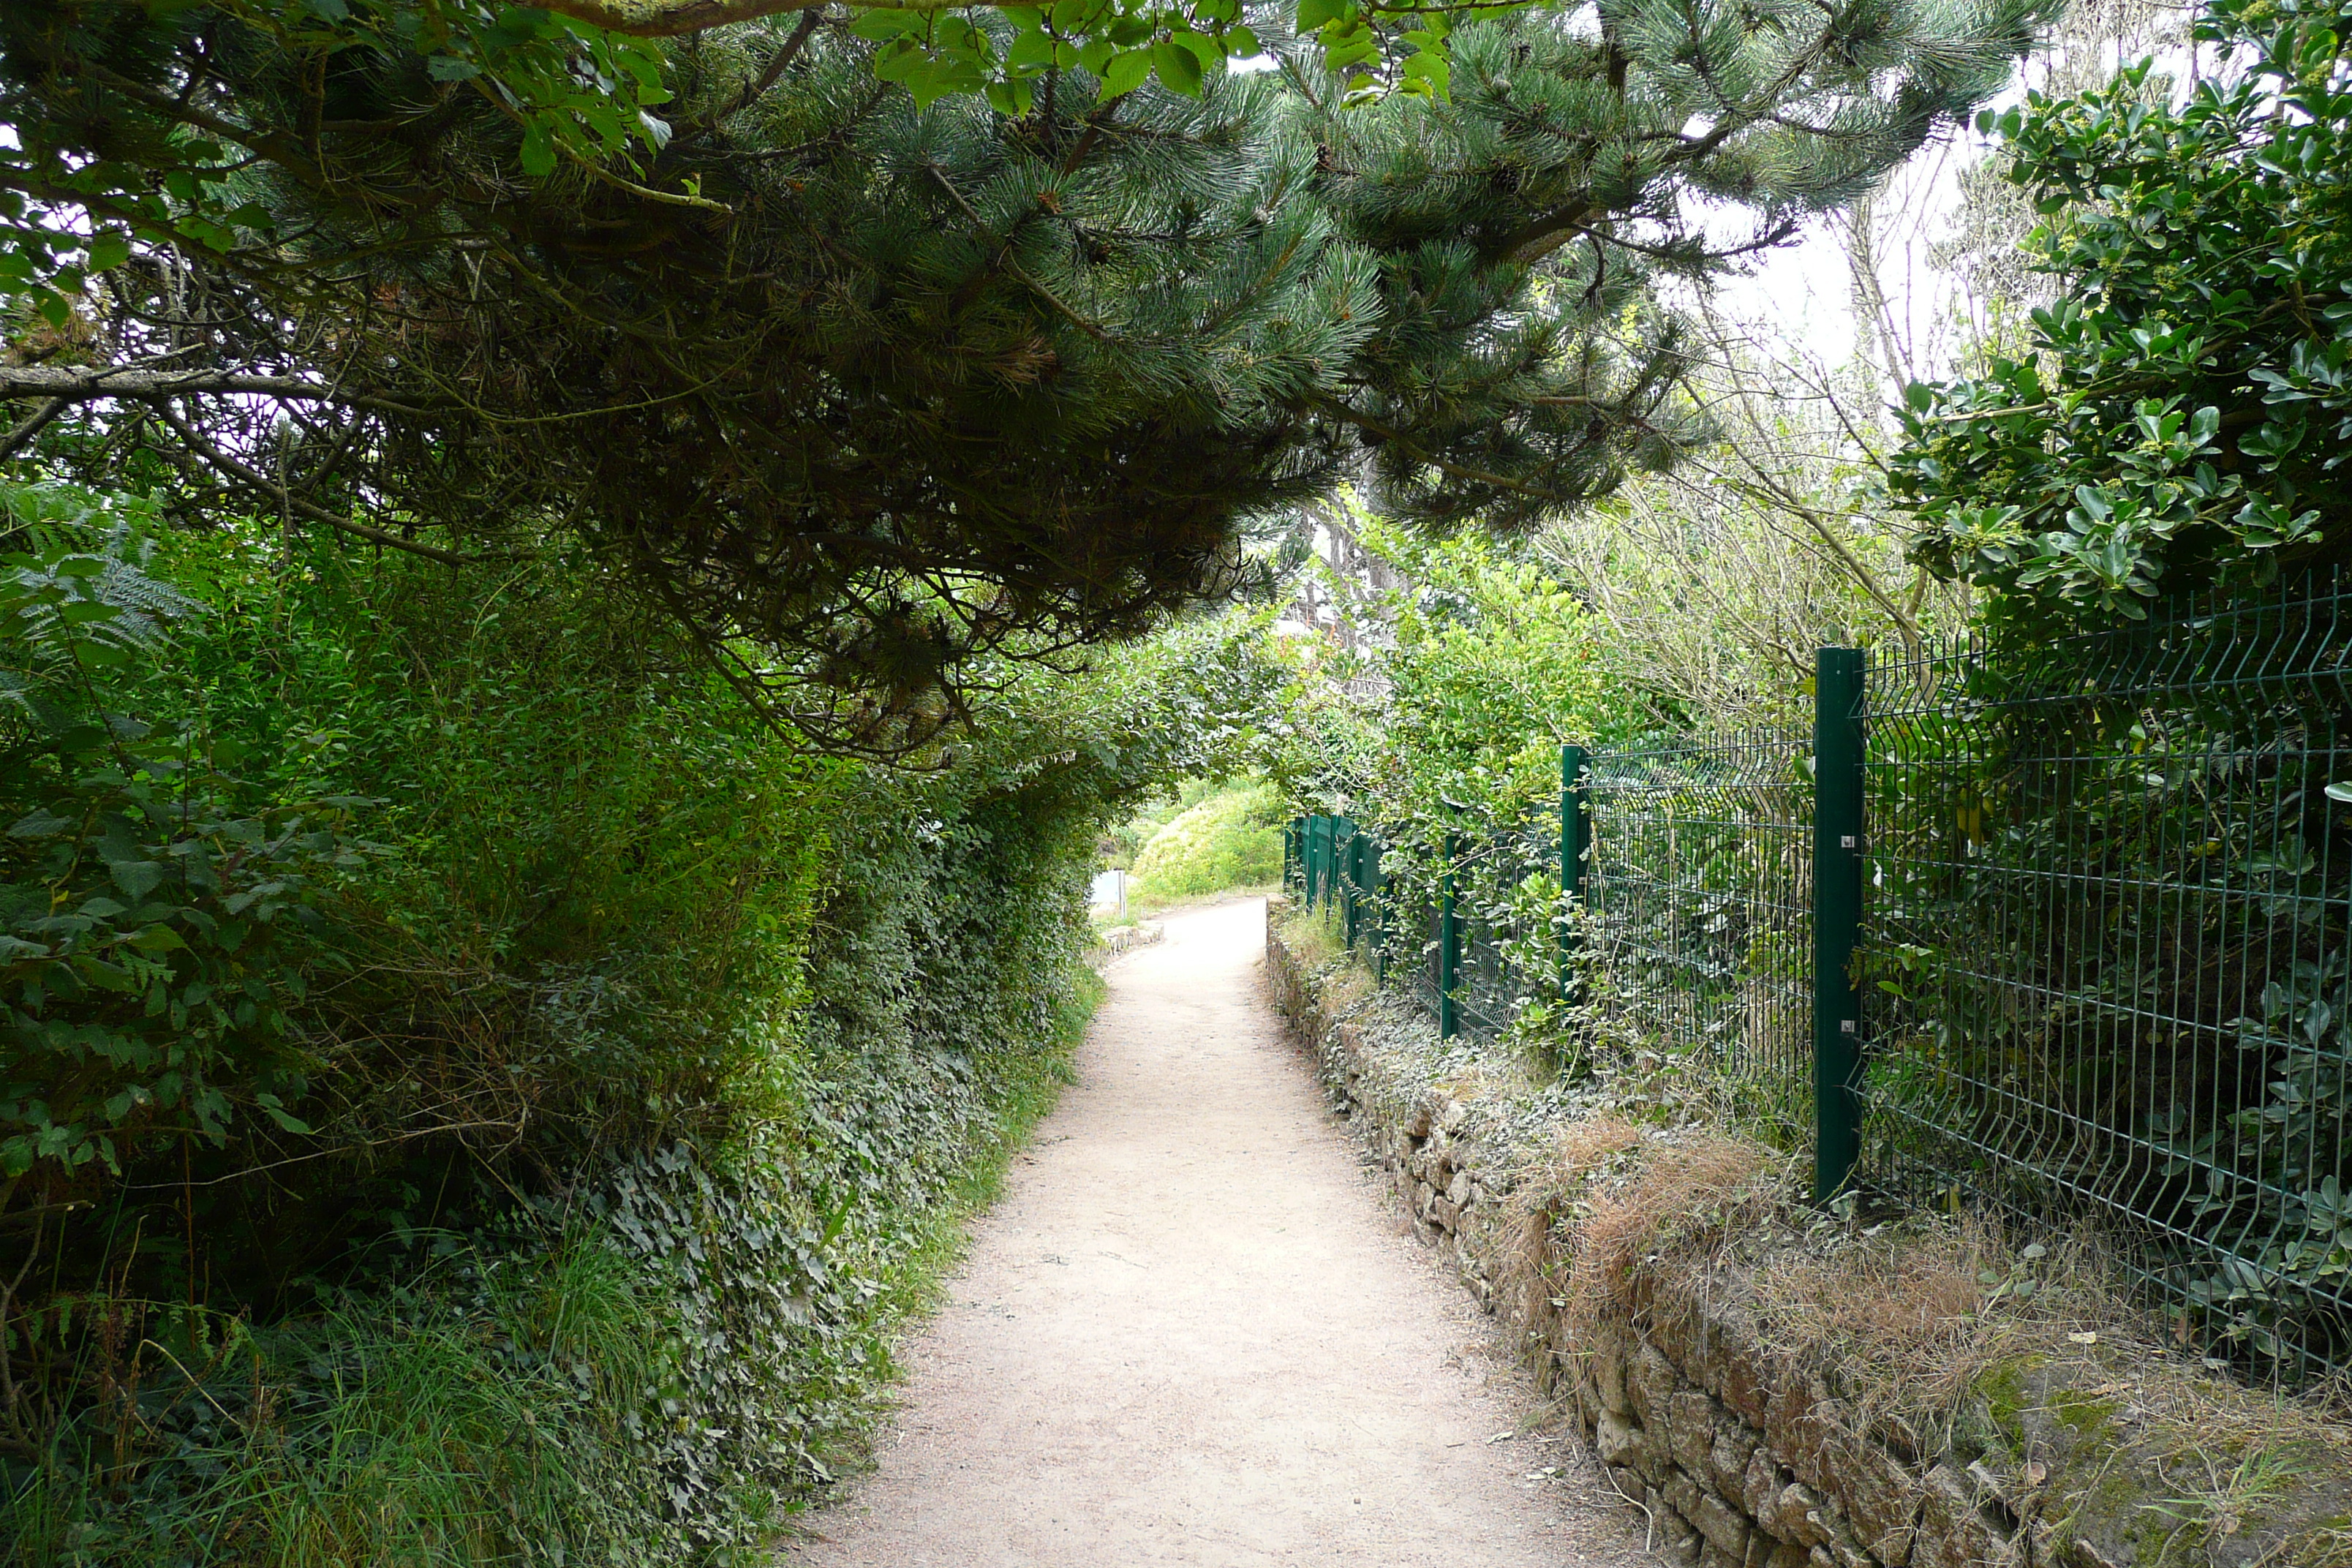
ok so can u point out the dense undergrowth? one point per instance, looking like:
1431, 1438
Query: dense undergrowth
473, 1093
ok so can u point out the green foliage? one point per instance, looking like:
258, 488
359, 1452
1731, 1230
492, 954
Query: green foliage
145, 886
1230, 839
1440, 737
622, 994
1491, 666
1126, 841
2183, 417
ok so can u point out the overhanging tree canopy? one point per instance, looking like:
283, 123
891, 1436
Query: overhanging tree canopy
859, 387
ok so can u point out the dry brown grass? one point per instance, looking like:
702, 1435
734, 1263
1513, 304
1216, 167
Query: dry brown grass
1904, 1312
1677, 1203
1607, 1200
1920, 1322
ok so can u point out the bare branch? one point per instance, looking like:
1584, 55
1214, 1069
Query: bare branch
673, 19
80, 384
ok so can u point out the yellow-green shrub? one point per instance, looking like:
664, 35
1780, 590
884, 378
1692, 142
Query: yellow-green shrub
1229, 840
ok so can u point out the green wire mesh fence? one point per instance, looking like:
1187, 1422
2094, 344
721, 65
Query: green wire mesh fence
2108, 952
1700, 899
2101, 968
1693, 869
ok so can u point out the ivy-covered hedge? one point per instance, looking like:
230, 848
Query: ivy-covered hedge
469, 1090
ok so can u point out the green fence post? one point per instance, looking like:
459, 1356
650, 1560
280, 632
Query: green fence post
1346, 880
1449, 947
1319, 846
1575, 844
1353, 861
1290, 853
1837, 917
1381, 922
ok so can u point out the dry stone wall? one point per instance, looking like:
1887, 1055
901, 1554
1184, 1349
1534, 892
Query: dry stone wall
1740, 1459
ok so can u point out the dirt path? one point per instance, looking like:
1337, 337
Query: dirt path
1192, 1333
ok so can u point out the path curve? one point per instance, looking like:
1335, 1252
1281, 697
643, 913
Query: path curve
1191, 1332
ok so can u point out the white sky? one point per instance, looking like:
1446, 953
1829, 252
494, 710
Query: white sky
1803, 292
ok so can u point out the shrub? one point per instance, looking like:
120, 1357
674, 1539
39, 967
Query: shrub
606, 1073
1231, 840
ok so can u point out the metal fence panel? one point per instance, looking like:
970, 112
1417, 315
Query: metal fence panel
2109, 950
1700, 893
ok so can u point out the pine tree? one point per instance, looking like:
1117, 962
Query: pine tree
862, 389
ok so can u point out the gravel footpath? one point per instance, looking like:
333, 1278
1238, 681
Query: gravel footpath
1194, 1332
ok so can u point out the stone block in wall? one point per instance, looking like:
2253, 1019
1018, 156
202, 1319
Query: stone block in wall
1731, 1362
1759, 1484
1796, 1514
1691, 1429
1670, 1324
1680, 1493
1785, 1555
1623, 1445
1710, 1555
1443, 1212
1457, 1190
1422, 1194
1736, 1443
1607, 1366
1806, 1427
1882, 1500
1725, 1527
1633, 1484
1954, 1531
1650, 1384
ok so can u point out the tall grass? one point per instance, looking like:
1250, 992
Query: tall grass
482, 1417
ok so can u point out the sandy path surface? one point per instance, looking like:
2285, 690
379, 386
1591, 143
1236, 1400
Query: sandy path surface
1194, 1333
